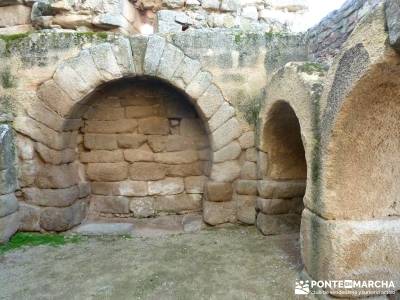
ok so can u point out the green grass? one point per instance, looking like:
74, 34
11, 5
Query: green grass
25, 239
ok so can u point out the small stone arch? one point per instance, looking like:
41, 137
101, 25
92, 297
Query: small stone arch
53, 119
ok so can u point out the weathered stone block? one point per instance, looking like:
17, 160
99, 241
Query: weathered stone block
186, 71
55, 98
131, 141
138, 46
361, 250
249, 170
168, 186
179, 157
251, 155
8, 204
142, 111
178, 203
100, 141
147, 171
8, 226
12, 15
51, 197
246, 187
225, 134
195, 184
245, 209
105, 113
246, 140
278, 224
8, 182
117, 126
107, 171
121, 48
219, 191
101, 156
225, 172
279, 206
142, 207
215, 213
134, 155
61, 219
262, 165
169, 143
30, 217
184, 170
154, 125
192, 128
25, 147
281, 189
56, 177
110, 204
55, 157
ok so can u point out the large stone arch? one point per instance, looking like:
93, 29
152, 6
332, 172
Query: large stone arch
301, 97
353, 231
54, 117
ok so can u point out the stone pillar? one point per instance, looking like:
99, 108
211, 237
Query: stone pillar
9, 217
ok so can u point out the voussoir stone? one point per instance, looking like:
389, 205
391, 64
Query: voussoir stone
219, 191
121, 48
210, 101
281, 189
105, 61
228, 152
55, 157
167, 186
225, 134
56, 98
154, 51
169, 61
223, 114
199, 84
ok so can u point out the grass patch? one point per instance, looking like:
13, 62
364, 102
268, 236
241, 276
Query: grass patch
27, 239
251, 109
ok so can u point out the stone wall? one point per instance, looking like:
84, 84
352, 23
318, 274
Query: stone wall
145, 151
326, 38
148, 16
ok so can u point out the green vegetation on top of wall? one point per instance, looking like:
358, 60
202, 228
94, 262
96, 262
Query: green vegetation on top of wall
311, 68
251, 108
27, 239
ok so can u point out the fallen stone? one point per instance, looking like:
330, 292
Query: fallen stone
93, 229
